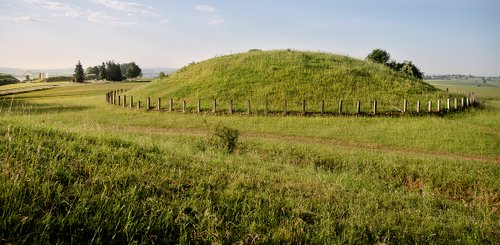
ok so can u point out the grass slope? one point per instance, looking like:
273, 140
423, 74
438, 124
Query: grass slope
7, 79
294, 75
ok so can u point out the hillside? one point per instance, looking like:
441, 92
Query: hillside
7, 79
294, 75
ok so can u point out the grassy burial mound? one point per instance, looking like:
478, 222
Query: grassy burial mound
7, 79
291, 75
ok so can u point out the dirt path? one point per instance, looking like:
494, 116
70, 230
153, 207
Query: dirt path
361, 146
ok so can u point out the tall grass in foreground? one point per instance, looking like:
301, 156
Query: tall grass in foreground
62, 187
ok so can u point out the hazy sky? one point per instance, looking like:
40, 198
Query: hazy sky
439, 36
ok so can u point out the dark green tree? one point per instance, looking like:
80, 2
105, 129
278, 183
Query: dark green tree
411, 70
102, 72
162, 74
79, 76
379, 56
114, 72
89, 70
133, 70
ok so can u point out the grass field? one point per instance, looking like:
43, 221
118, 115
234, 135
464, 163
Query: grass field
74, 168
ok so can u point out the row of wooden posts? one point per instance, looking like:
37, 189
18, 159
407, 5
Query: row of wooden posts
116, 97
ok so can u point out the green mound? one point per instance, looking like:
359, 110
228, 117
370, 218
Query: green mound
7, 79
290, 75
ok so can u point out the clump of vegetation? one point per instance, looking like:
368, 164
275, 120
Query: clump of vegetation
219, 137
226, 138
112, 71
406, 68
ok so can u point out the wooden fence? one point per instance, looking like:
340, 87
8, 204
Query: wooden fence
119, 98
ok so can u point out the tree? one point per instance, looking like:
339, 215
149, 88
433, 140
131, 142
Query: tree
114, 72
102, 72
79, 76
133, 70
409, 69
162, 74
89, 70
379, 56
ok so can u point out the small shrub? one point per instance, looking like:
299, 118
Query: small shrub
226, 138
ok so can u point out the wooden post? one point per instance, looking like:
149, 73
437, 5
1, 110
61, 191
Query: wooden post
230, 106
131, 102
430, 106
248, 107
438, 105
418, 106
199, 105
215, 106
448, 104
184, 106
358, 107
468, 102
374, 107
138, 105
171, 105
456, 103
119, 100
124, 101
405, 106
267, 106
148, 104
463, 102
340, 106
284, 107
322, 106
158, 106
303, 107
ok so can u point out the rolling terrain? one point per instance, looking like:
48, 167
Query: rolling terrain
74, 168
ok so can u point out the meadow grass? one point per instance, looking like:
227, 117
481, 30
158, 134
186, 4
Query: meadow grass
77, 169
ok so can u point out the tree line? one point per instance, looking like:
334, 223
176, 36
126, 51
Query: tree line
406, 67
109, 71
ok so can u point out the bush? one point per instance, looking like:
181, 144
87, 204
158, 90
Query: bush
226, 138
379, 56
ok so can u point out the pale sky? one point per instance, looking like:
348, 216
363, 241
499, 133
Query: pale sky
439, 36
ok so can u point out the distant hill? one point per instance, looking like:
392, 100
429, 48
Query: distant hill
294, 75
7, 79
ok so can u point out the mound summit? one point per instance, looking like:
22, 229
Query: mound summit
294, 75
